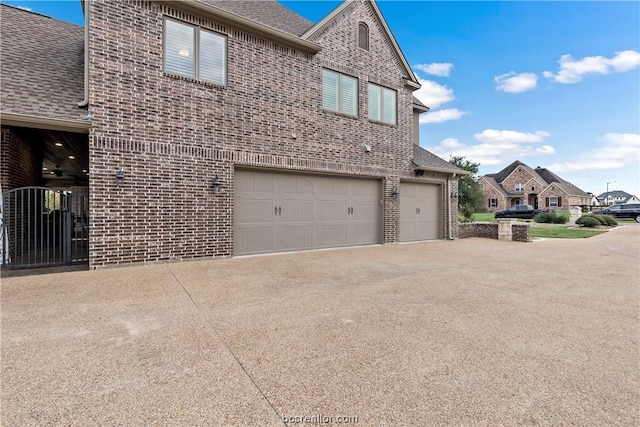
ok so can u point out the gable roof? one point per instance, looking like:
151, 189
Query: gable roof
344, 8
42, 67
543, 175
492, 181
266, 12
617, 193
427, 161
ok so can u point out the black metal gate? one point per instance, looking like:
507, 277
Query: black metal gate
44, 227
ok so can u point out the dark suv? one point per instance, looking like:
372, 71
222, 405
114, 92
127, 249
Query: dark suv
630, 211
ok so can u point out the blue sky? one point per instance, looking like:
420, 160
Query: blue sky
552, 84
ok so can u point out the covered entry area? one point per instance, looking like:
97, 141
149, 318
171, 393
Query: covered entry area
45, 204
277, 211
421, 213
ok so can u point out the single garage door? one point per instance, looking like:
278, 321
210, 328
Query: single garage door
420, 211
277, 212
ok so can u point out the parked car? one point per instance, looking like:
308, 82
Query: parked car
629, 211
518, 211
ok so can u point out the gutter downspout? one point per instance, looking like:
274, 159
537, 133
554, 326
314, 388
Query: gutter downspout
453, 175
85, 101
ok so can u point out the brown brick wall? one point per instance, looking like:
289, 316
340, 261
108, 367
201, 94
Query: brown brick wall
172, 135
20, 160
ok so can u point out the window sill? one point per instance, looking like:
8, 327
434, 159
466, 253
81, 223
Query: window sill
337, 113
193, 80
393, 125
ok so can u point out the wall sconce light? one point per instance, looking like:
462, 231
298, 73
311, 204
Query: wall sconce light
419, 172
119, 176
216, 185
454, 195
394, 192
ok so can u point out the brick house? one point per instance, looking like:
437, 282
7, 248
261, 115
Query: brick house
519, 184
217, 128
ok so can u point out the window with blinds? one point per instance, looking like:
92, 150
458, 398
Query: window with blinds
339, 93
382, 104
193, 52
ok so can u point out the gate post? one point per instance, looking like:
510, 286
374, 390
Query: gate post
68, 225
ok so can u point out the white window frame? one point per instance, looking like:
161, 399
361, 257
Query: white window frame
553, 201
340, 95
382, 107
493, 203
519, 187
197, 48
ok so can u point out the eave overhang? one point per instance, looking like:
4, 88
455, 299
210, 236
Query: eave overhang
456, 171
245, 24
40, 122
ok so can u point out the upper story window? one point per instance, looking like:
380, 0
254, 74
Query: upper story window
382, 104
339, 93
193, 52
363, 36
519, 187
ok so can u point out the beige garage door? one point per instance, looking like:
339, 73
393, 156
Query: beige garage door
420, 211
277, 212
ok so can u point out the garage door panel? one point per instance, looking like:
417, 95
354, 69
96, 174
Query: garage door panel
332, 235
363, 234
254, 210
249, 183
296, 210
332, 210
255, 239
368, 211
296, 237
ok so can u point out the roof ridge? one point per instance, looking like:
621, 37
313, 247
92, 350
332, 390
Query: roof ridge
27, 10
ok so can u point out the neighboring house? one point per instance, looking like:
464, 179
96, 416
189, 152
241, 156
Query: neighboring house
616, 197
213, 128
519, 184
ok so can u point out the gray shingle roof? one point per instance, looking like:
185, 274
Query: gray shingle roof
545, 176
267, 12
428, 160
41, 65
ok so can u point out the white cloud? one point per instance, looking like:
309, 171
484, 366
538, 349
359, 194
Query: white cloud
440, 116
493, 136
516, 83
616, 151
433, 94
495, 146
28, 9
442, 69
572, 71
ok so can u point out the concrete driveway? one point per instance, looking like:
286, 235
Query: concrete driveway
468, 332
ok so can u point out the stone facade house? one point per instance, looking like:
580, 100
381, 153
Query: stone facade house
172, 130
519, 184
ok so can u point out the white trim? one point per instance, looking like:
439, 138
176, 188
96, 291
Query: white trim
39, 122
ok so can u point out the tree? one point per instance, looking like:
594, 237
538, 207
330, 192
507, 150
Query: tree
470, 198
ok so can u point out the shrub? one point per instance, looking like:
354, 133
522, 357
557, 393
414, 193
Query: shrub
550, 217
543, 217
605, 219
560, 219
588, 221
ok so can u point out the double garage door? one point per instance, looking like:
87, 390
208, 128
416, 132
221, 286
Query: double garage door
277, 212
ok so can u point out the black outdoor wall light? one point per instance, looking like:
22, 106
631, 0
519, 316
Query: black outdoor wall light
119, 176
454, 195
216, 185
394, 192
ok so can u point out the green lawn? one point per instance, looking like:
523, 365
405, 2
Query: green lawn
564, 232
547, 230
